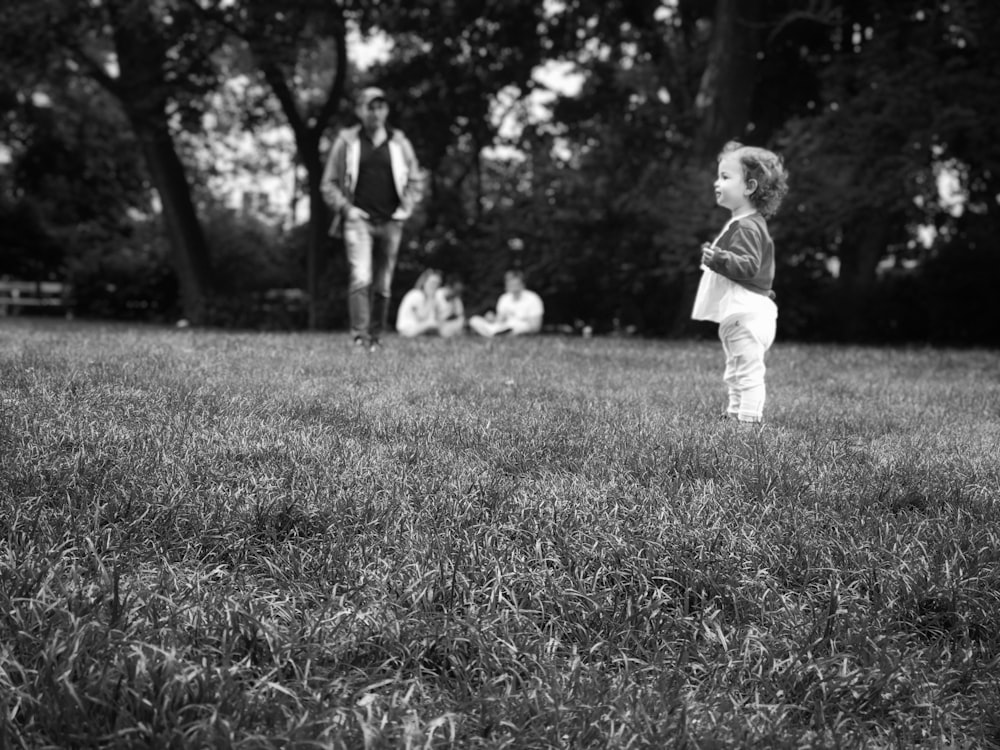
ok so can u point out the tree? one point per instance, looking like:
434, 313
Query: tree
300, 51
148, 58
905, 96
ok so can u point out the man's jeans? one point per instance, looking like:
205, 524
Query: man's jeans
372, 249
745, 340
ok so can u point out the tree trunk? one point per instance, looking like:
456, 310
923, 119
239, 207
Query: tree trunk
726, 91
187, 241
308, 132
864, 246
319, 223
144, 93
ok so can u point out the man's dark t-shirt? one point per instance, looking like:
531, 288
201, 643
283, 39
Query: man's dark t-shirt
375, 191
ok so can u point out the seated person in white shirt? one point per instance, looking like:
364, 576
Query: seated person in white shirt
418, 312
519, 310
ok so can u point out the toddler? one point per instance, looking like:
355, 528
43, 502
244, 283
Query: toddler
738, 272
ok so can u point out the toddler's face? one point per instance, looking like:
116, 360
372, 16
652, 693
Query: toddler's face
731, 189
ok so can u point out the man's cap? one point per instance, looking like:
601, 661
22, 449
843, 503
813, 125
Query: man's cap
371, 94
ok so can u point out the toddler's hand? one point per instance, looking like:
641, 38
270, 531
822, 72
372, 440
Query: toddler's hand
707, 253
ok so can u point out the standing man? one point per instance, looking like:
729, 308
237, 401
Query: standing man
372, 181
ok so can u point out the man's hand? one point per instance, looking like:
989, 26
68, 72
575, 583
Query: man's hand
353, 212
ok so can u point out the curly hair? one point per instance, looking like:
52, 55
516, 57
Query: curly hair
766, 169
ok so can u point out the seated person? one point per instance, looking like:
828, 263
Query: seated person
417, 313
519, 310
450, 309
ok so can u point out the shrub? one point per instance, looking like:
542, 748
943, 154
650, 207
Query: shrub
124, 277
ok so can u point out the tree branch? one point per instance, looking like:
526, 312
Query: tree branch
336, 89
823, 12
92, 67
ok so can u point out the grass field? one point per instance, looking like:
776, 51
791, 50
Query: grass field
238, 540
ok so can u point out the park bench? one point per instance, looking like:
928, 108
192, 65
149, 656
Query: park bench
15, 295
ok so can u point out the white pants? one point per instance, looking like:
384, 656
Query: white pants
412, 328
489, 328
745, 340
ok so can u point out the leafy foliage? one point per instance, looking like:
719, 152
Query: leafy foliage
73, 170
124, 276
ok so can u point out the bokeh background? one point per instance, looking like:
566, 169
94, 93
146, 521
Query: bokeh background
162, 157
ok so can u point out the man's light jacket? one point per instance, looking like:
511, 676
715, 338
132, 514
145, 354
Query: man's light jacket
340, 176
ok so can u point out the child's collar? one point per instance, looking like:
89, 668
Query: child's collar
737, 217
